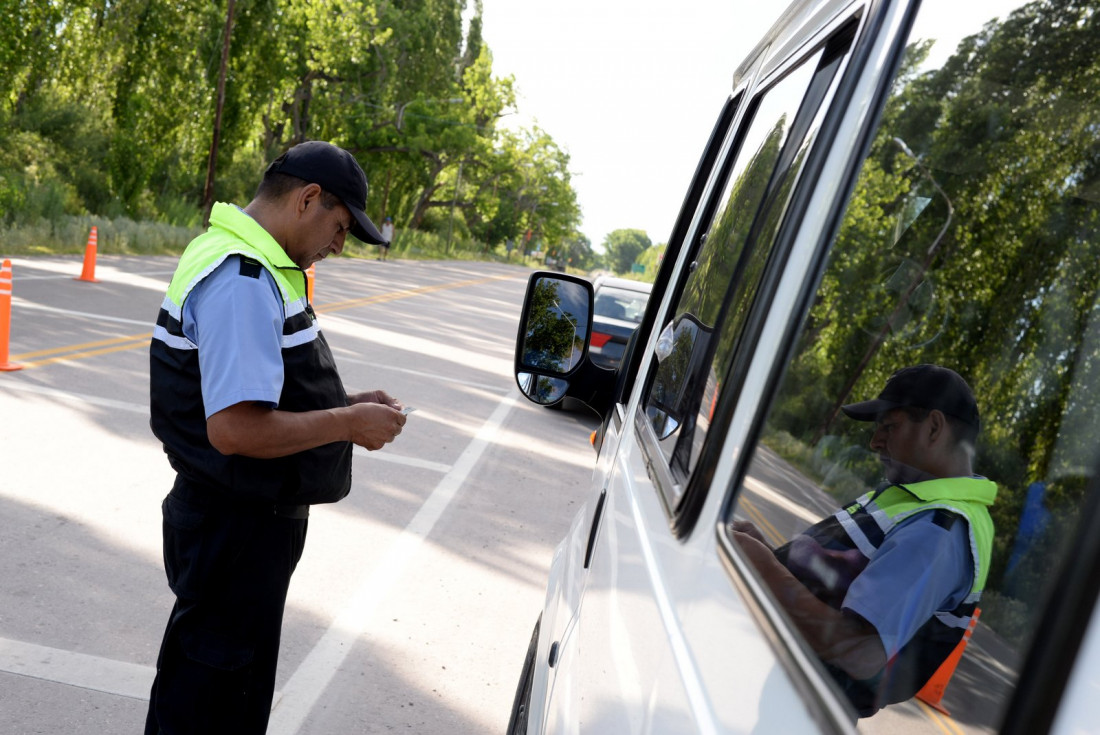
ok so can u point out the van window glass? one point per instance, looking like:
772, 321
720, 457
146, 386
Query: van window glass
723, 278
937, 427
682, 370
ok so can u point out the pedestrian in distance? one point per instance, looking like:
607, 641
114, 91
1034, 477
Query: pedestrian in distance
256, 422
387, 236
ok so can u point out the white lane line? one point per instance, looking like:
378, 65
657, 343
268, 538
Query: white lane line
143, 408
21, 303
308, 683
494, 387
101, 271
71, 397
76, 669
57, 268
108, 271
386, 456
768, 494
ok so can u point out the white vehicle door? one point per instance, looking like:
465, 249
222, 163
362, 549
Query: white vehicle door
965, 146
627, 665
970, 240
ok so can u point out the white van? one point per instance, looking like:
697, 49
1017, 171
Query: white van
891, 183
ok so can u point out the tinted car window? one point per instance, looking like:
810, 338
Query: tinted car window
970, 242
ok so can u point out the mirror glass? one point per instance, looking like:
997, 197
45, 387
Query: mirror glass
557, 326
541, 389
678, 352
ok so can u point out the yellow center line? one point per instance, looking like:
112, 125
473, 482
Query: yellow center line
762, 523
84, 346
944, 722
130, 344
134, 341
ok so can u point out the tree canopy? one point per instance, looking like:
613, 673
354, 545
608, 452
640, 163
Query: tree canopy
109, 109
970, 241
622, 248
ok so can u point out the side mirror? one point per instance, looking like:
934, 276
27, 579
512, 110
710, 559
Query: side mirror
553, 335
681, 346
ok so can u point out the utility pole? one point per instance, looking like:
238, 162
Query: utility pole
208, 190
454, 199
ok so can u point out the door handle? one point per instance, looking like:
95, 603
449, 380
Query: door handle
595, 528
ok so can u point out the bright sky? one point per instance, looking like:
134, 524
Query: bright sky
629, 88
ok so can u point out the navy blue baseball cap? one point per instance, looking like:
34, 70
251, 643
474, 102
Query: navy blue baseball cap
337, 172
921, 386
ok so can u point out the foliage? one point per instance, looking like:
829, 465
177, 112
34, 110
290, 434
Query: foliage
118, 235
427, 245
107, 109
651, 260
578, 253
551, 341
970, 241
622, 248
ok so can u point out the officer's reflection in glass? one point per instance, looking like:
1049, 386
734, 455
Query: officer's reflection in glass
884, 589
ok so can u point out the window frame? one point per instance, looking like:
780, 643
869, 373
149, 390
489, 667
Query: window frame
1060, 629
805, 673
683, 497
631, 364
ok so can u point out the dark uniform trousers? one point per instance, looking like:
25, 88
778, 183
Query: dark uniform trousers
229, 567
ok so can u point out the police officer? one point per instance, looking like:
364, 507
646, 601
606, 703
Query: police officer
254, 418
884, 589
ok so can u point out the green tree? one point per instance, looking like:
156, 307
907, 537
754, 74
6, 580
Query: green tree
651, 259
622, 248
972, 232
109, 108
575, 252
551, 337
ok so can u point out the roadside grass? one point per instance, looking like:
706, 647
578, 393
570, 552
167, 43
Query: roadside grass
118, 236
68, 235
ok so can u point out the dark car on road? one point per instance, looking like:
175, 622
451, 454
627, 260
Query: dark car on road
619, 306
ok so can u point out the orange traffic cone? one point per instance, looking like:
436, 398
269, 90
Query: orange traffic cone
88, 274
932, 692
5, 317
311, 275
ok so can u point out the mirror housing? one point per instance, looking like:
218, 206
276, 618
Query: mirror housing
551, 360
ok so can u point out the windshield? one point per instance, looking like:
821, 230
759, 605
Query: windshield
618, 303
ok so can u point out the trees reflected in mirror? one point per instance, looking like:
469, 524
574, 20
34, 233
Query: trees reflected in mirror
557, 326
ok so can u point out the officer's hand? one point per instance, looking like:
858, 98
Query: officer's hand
374, 425
375, 396
748, 528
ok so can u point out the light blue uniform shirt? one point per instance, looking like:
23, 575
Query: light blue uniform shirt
920, 568
237, 322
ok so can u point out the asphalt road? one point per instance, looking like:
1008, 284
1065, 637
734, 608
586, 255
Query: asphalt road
413, 604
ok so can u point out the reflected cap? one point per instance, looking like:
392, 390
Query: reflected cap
921, 386
337, 172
